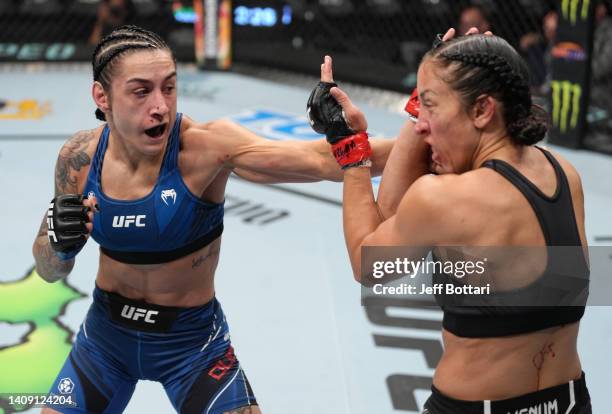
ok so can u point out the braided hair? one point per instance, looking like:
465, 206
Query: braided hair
118, 42
481, 64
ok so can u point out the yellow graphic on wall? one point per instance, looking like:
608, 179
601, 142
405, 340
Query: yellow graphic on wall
23, 110
569, 9
566, 104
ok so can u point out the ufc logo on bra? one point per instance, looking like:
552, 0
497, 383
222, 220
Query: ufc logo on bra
133, 313
126, 221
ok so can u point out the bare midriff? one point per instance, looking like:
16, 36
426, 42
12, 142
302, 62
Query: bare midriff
185, 282
499, 368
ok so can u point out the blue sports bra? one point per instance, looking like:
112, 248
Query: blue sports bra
169, 223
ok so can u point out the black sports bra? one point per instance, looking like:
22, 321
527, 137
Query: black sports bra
507, 316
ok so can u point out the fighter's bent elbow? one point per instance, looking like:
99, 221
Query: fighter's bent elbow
45, 274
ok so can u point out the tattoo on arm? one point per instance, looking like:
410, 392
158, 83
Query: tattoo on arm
72, 157
48, 265
42, 231
197, 262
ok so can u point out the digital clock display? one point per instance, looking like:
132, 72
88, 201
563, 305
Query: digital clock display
262, 16
247, 13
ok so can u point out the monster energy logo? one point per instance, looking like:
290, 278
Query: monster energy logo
566, 104
570, 10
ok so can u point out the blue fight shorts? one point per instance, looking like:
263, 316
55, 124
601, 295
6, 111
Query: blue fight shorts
121, 341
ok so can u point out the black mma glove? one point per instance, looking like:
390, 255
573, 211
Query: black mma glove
326, 117
325, 113
66, 229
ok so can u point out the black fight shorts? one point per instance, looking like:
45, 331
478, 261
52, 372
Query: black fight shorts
570, 398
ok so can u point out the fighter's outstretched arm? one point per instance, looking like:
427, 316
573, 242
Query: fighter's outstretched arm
263, 160
381, 148
260, 160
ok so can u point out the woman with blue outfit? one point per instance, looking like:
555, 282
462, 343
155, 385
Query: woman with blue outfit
148, 186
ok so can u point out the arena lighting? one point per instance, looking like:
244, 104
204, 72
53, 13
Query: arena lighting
184, 15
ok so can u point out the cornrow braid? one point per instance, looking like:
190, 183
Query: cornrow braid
114, 52
118, 42
515, 85
481, 64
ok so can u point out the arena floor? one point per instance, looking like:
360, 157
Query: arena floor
305, 341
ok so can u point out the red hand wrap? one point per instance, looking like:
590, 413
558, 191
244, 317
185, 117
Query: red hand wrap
352, 149
413, 106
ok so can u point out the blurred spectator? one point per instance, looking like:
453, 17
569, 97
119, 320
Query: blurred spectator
111, 14
473, 16
601, 64
600, 126
535, 48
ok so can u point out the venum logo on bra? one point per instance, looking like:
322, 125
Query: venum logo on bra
168, 194
133, 313
127, 221
548, 407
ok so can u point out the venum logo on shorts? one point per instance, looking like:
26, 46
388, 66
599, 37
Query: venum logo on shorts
133, 313
223, 365
127, 221
548, 407
168, 194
